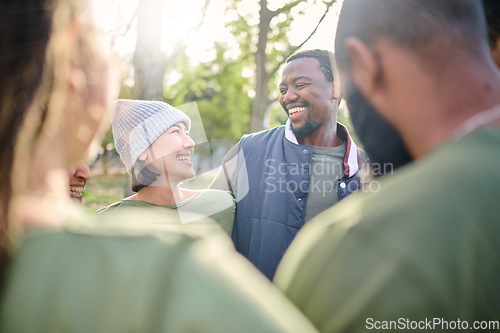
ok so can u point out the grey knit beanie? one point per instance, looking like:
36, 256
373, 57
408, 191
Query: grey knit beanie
137, 124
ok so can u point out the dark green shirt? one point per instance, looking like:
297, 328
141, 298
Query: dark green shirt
215, 204
113, 275
426, 245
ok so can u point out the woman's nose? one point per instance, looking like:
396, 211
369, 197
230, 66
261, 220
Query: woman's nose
188, 142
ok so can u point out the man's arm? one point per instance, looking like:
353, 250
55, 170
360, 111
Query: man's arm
226, 178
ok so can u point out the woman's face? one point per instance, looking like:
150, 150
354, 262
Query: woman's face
170, 154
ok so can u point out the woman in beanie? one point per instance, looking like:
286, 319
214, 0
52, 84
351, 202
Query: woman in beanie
153, 141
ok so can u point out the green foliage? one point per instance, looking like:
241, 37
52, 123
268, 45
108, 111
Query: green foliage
108, 142
224, 88
219, 90
276, 116
103, 190
264, 33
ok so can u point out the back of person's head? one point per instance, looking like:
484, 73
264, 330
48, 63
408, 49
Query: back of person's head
324, 57
36, 63
435, 31
26, 26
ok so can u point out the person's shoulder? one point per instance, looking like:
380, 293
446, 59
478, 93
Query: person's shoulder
479, 152
215, 192
111, 207
218, 197
142, 222
126, 202
264, 134
414, 218
148, 228
452, 169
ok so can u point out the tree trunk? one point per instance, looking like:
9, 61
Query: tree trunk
105, 162
261, 100
149, 64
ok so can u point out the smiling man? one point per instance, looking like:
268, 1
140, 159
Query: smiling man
285, 176
78, 175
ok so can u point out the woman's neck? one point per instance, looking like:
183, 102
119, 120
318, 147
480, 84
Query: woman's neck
170, 194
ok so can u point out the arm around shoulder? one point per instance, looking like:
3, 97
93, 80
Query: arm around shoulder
226, 177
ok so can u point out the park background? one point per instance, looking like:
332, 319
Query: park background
223, 55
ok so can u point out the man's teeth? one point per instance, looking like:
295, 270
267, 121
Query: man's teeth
76, 190
297, 109
184, 158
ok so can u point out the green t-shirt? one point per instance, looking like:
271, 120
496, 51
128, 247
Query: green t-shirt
215, 204
327, 167
426, 245
114, 275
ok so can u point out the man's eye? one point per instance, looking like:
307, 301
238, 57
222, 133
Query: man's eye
302, 85
283, 91
176, 132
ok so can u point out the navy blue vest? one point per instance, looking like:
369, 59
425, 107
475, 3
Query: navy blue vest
271, 212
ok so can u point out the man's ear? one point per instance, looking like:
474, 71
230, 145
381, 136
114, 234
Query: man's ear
363, 65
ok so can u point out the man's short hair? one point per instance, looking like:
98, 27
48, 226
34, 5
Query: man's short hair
324, 57
492, 11
434, 30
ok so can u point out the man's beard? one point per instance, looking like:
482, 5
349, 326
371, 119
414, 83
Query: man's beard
382, 143
307, 129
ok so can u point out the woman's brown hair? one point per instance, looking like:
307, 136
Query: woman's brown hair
31, 61
24, 35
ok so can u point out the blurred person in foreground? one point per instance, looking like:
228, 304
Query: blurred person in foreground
424, 249
375, 129
79, 175
153, 141
64, 272
285, 176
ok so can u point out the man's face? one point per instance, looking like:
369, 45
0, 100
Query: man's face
78, 176
306, 96
381, 141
